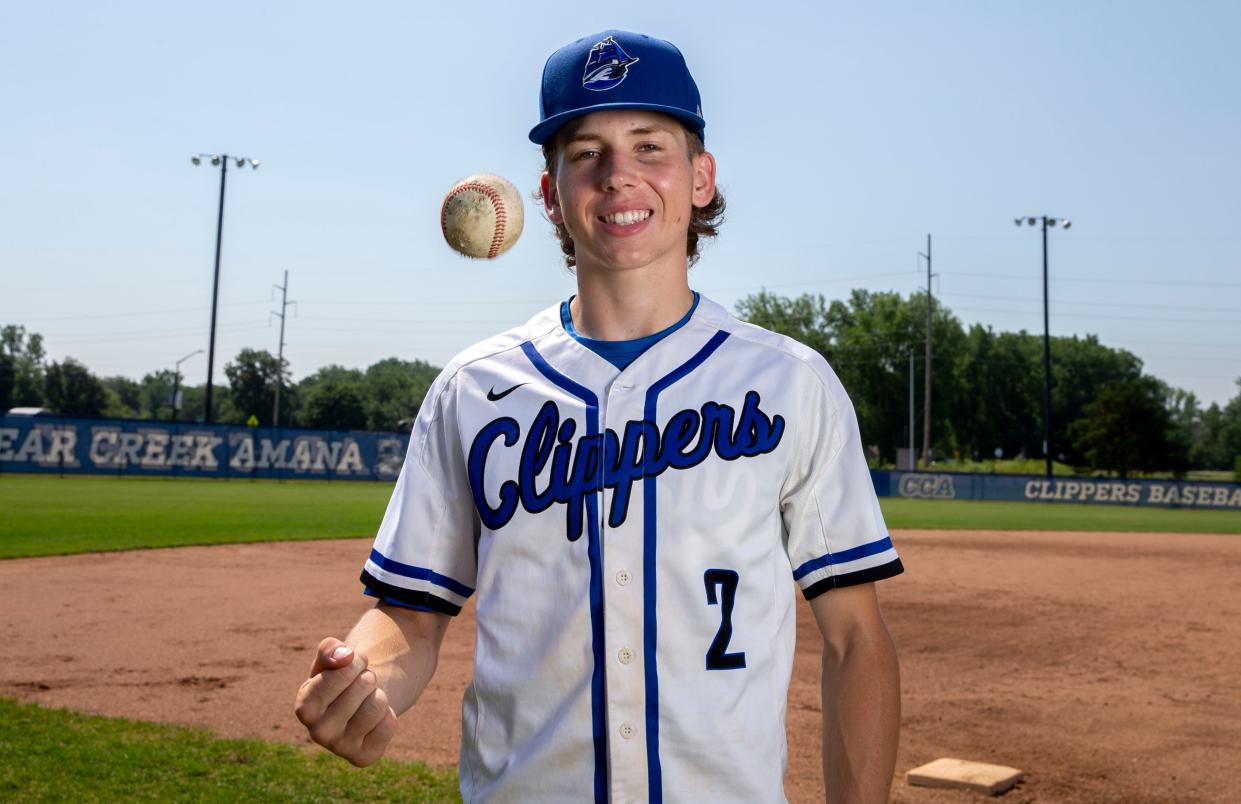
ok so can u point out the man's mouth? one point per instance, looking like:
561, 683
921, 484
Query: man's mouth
627, 218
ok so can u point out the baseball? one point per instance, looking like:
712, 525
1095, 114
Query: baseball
482, 216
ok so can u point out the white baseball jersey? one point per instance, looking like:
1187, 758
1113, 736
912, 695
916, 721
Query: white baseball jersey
631, 537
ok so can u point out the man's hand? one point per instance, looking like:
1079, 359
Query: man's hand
343, 707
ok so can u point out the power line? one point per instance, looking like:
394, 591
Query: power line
1232, 347
1194, 309
408, 321
142, 313
1108, 317
199, 332
1104, 280
102, 286
143, 332
828, 281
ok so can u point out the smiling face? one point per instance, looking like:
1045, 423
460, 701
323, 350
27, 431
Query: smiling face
624, 184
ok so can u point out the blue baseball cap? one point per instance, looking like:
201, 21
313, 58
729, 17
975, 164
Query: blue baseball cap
616, 70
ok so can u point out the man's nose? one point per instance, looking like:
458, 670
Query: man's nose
617, 170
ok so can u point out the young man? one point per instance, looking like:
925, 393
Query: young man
631, 482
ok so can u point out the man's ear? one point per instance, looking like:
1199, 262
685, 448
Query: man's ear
551, 200
704, 179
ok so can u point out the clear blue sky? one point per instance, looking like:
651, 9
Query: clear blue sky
844, 133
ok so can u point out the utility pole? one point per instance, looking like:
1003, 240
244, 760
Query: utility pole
926, 399
284, 307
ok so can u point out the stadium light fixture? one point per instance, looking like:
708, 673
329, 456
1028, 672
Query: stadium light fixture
222, 161
176, 383
1047, 448
196, 160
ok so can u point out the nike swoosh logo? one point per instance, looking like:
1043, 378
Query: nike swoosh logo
494, 397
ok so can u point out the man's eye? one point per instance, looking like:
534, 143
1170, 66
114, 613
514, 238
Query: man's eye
589, 153
649, 147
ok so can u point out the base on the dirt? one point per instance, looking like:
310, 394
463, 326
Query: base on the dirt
963, 774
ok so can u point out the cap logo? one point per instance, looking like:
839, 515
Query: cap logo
606, 66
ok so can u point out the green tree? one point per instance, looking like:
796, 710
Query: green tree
252, 380
1080, 369
804, 319
1128, 428
1186, 417
867, 339
26, 356
71, 390
193, 404
393, 390
335, 405
157, 389
7, 376
306, 388
999, 399
1219, 443
124, 398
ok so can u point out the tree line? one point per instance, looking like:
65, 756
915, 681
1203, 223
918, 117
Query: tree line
384, 396
987, 388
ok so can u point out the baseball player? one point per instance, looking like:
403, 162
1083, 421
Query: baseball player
630, 485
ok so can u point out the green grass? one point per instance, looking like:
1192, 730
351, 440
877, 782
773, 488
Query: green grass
43, 516
57, 755
899, 512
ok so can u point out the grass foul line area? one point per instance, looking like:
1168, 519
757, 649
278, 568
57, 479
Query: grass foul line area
46, 516
58, 755
49, 515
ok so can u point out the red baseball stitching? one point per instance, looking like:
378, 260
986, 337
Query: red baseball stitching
497, 204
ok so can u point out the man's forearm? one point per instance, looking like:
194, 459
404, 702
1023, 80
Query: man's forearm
861, 718
402, 649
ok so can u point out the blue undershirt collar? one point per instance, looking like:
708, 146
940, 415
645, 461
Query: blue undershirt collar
621, 353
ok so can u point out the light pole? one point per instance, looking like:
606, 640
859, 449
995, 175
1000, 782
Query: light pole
222, 161
1047, 223
176, 382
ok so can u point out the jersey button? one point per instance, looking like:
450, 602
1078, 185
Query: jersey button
623, 577
627, 731
626, 655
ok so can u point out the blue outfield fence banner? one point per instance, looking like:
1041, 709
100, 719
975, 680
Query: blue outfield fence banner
51, 445
1038, 488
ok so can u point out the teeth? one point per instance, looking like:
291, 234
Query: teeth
627, 218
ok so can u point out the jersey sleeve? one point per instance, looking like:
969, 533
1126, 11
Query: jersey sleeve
424, 556
834, 530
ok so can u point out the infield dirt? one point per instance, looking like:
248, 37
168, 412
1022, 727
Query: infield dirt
1103, 665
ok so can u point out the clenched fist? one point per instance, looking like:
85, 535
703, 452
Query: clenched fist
342, 706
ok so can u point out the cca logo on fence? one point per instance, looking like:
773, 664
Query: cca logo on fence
928, 486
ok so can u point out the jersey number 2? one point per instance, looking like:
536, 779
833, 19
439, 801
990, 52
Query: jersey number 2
726, 580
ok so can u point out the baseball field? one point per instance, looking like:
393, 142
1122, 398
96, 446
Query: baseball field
1093, 647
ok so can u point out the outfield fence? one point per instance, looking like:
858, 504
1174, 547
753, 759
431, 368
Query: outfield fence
51, 445
1039, 488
